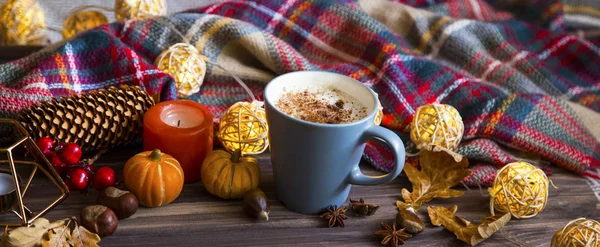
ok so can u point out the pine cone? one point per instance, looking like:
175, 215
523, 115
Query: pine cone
96, 120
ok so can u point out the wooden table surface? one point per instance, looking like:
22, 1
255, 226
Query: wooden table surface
197, 218
11, 53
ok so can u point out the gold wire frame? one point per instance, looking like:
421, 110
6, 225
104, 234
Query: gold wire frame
23, 212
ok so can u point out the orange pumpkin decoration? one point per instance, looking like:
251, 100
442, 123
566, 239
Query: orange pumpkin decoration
155, 178
229, 176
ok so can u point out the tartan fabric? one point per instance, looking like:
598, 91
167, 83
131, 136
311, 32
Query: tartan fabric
508, 73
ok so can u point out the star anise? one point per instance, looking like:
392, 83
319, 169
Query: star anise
335, 216
391, 236
361, 208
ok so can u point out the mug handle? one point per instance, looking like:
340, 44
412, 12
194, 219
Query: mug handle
391, 139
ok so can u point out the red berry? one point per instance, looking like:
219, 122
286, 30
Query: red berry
45, 144
105, 177
70, 154
77, 179
89, 168
59, 166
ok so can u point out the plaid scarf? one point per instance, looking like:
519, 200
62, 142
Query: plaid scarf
517, 73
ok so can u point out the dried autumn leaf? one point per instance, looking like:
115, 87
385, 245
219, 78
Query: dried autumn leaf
29, 236
464, 230
441, 169
81, 237
4, 235
57, 237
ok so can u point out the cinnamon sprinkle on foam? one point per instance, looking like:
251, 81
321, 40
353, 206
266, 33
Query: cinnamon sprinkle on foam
329, 106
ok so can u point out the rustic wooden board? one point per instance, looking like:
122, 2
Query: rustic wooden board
10, 53
198, 219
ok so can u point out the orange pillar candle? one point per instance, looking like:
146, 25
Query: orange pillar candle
183, 129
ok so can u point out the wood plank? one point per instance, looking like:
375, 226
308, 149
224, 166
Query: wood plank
197, 218
10, 53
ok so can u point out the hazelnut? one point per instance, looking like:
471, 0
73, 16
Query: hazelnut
256, 204
407, 219
123, 203
99, 219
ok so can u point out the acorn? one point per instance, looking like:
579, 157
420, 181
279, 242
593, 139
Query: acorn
256, 204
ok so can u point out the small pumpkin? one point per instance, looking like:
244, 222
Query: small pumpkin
229, 176
155, 178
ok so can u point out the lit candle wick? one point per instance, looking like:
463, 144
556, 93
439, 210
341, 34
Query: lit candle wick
178, 122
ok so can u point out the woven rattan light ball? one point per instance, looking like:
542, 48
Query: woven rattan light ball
21, 23
139, 9
82, 20
519, 189
578, 233
244, 126
185, 64
437, 124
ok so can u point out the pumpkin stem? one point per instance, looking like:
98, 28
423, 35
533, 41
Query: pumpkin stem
236, 155
155, 155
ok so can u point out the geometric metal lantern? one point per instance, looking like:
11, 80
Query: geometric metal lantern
22, 211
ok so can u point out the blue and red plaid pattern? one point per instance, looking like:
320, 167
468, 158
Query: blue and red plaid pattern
509, 74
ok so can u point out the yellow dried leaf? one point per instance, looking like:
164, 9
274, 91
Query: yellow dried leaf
29, 236
81, 237
441, 169
464, 230
57, 237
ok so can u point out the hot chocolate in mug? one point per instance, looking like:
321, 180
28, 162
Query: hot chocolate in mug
315, 164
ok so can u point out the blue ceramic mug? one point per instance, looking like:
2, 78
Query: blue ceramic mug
315, 164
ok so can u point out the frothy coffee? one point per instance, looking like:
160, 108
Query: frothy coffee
321, 104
